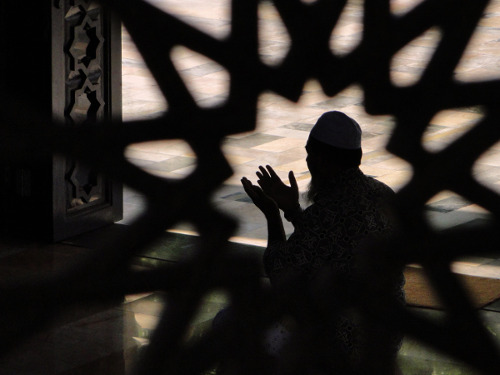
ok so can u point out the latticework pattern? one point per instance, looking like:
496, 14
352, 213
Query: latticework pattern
107, 275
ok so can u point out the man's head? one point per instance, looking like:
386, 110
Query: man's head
334, 145
335, 142
337, 130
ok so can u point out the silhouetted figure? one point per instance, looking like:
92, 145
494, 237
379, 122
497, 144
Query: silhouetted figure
347, 206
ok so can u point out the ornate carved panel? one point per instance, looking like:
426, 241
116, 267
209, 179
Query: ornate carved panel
84, 60
86, 55
70, 48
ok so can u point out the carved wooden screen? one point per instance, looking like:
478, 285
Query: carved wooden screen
461, 334
57, 66
86, 87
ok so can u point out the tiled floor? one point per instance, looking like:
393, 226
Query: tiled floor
107, 340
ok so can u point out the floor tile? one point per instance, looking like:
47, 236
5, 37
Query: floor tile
172, 164
448, 204
251, 140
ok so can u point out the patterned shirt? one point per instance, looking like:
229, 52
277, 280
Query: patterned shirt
350, 208
346, 211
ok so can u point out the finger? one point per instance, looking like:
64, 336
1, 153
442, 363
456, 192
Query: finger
273, 174
246, 184
264, 172
249, 188
244, 180
262, 181
293, 181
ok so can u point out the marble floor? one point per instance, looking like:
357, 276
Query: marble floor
106, 340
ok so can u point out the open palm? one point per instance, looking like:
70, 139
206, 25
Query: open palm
264, 202
287, 197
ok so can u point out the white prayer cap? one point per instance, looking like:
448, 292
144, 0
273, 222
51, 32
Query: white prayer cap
338, 130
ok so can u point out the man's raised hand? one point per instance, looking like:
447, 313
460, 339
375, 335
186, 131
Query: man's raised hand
265, 203
287, 197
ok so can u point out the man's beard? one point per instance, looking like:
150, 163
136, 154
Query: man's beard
313, 188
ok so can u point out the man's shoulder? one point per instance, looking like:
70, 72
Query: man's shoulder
379, 187
378, 190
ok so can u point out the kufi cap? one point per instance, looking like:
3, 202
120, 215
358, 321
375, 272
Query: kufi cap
338, 130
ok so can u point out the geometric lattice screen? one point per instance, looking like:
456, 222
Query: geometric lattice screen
106, 276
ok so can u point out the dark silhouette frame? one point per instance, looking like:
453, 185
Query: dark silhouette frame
107, 275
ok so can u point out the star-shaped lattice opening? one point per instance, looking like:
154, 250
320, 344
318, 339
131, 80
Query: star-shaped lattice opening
460, 334
86, 106
84, 183
75, 14
86, 42
85, 45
